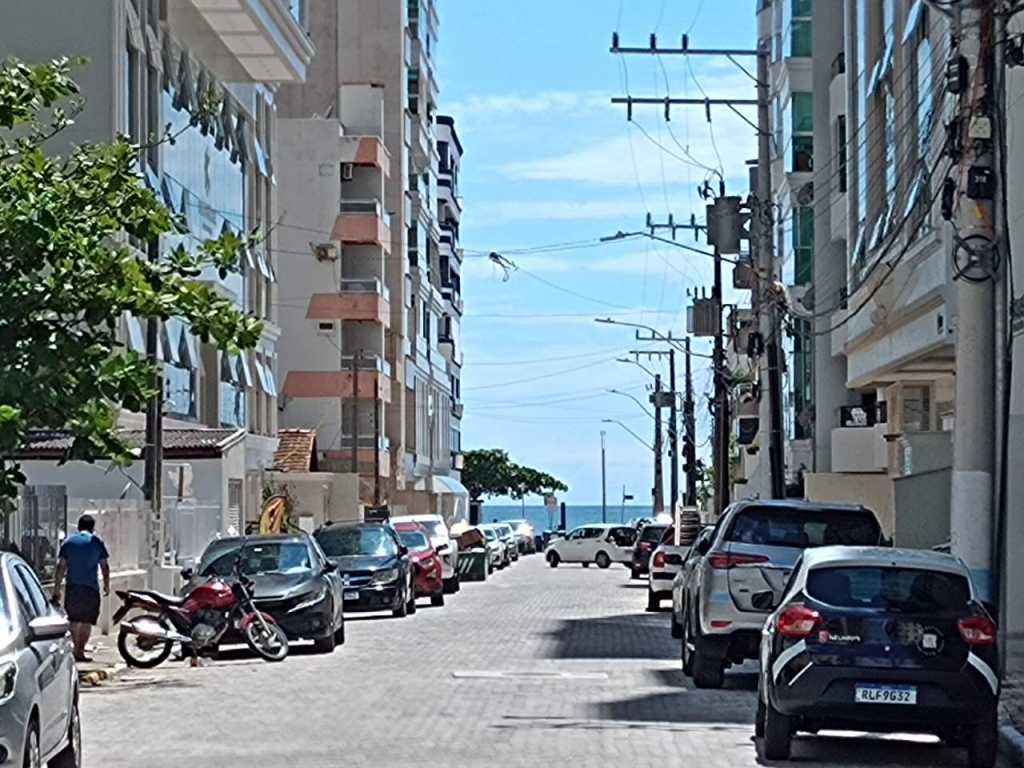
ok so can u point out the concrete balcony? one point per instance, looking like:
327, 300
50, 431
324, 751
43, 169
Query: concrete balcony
446, 194
367, 151
373, 375
262, 35
367, 452
359, 299
363, 222
860, 449
419, 140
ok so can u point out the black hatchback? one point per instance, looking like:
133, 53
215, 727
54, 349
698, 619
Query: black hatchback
882, 640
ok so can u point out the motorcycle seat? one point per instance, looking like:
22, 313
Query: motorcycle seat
161, 597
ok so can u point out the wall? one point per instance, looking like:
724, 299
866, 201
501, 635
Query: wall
922, 509
876, 492
321, 496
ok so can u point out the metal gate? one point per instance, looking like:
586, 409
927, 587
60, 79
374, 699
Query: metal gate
37, 525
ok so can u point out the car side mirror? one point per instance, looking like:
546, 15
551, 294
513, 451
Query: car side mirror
329, 568
403, 550
764, 601
51, 627
187, 573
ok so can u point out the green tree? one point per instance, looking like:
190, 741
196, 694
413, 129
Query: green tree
67, 275
490, 472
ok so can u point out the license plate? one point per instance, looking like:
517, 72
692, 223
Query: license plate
885, 694
353, 595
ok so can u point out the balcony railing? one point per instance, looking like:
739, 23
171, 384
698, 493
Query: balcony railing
367, 362
369, 206
365, 285
863, 415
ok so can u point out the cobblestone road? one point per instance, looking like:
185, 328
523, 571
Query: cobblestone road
535, 667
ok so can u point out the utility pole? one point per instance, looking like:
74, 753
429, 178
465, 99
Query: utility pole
721, 441
153, 481
604, 484
768, 316
971, 518
355, 414
376, 449
659, 501
673, 437
690, 430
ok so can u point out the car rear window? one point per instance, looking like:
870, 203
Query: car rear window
623, 537
652, 532
801, 527
904, 590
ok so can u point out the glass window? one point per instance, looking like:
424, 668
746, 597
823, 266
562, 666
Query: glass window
916, 409
781, 527
803, 112
414, 540
803, 153
265, 557
803, 244
841, 151
31, 599
349, 541
905, 590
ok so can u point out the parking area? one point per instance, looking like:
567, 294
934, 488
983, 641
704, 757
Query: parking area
534, 667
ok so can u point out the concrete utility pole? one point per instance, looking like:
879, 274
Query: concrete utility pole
659, 500
153, 480
690, 430
768, 316
673, 436
355, 414
604, 484
376, 450
971, 518
721, 441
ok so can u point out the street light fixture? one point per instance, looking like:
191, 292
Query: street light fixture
637, 363
654, 332
620, 235
647, 445
643, 407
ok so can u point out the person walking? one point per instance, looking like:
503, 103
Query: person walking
81, 555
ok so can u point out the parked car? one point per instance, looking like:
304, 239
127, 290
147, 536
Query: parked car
648, 538
599, 543
292, 579
39, 722
667, 561
496, 554
753, 549
878, 639
691, 560
508, 537
374, 565
524, 535
441, 539
428, 580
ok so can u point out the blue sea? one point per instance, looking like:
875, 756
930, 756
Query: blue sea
543, 520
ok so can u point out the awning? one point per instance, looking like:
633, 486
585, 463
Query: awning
441, 484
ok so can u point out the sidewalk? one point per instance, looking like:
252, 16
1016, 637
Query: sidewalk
106, 662
1011, 721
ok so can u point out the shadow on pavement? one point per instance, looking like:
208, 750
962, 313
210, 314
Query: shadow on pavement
627, 636
525, 722
866, 750
682, 707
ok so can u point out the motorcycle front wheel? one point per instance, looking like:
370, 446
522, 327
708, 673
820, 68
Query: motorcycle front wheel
266, 639
141, 651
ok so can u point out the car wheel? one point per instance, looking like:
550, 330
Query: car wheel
676, 628
401, 610
33, 757
410, 593
553, 559
339, 634
685, 654
71, 755
708, 671
778, 734
983, 744
634, 573
458, 582
602, 560
437, 599
653, 601
325, 644
759, 718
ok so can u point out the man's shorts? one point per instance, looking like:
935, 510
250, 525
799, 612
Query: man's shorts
82, 604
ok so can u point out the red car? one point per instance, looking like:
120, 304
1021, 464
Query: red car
426, 563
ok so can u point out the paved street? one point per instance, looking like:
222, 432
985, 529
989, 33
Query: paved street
536, 667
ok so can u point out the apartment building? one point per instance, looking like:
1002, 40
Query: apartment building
150, 62
873, 323
374, 77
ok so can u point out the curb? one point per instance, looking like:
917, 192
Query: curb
95, 677
1011, 744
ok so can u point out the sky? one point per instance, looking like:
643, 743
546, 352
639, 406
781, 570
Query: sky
549, 160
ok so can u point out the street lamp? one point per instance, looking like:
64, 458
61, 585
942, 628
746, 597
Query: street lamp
647, 445
643, 407
620, 235
672, 341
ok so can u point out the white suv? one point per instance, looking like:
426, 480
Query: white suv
601, 543
447, 547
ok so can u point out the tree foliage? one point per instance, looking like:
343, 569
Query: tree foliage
490, 472
68, 275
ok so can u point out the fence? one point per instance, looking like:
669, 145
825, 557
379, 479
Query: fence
190, 526
122, 526
35, 524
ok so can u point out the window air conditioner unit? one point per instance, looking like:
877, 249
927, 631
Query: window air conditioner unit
324, 251
325, 327
346, 171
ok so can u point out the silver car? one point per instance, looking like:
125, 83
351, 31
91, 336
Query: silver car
38, 681
741, 569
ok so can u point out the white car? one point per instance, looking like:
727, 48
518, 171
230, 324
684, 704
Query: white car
666, 562
599, 543
441, 540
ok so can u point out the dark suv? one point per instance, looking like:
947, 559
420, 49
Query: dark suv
646, 542
875, 639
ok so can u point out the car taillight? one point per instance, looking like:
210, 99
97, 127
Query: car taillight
723, 561
659, 559
798, 621
977, 630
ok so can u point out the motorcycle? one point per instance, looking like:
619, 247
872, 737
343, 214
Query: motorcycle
198, 621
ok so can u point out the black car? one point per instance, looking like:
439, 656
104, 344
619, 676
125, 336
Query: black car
293, 580
373, 564
879, 639
647, 541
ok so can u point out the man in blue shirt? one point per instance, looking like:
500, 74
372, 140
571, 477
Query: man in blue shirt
81, 555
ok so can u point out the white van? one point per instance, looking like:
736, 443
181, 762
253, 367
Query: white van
601, 543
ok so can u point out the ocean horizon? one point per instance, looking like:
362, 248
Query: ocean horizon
575, 514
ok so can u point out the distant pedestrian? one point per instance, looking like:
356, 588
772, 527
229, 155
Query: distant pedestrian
81, 555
